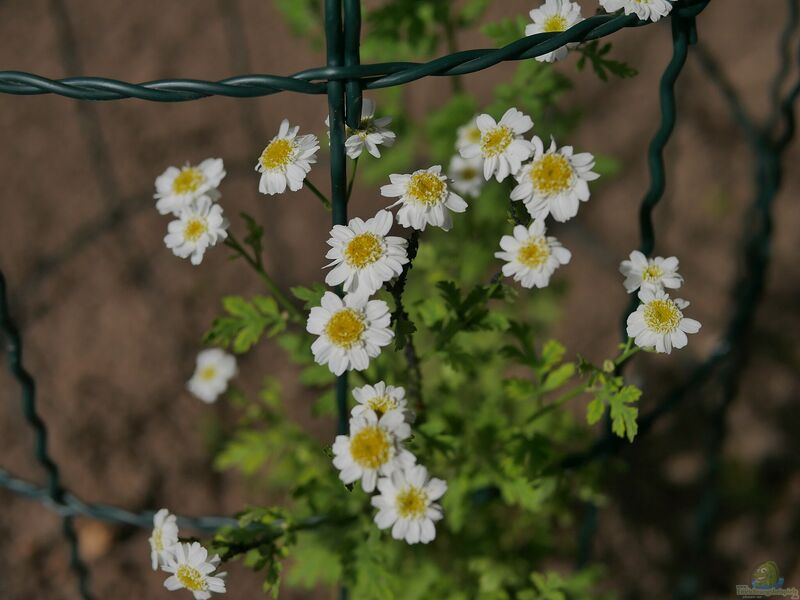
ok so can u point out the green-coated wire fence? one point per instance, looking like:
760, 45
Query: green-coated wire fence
343, 80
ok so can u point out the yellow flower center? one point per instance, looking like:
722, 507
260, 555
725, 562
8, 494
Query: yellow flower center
474, 135
554, 23
194, 229
158, 539
534, 253
208, 373
412, 503
496, 140
188, 181
345, 328
652, 273
382, 404
551, 174
426, 188
370, 447
278, 154
469, 173
191, 578
662, 316
363, 250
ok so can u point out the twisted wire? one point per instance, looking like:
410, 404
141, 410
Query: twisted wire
317, 80
53, 489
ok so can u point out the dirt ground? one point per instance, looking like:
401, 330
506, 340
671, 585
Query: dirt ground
112, 321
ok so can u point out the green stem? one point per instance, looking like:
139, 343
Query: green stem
322, 197
452, 48
573, 393
258, 266
627, 352
352, 179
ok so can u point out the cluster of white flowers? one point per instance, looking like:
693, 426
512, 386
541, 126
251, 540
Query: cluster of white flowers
550, 182
646, 10
189, 564
373, 453
560, 15
215, 368
658, 322
190, 194
364, 257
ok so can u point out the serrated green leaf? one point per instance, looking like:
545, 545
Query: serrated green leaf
623, 416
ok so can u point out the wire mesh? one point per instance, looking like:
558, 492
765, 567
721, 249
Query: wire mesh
343, 80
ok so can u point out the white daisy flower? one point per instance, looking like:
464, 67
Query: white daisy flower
468, 134
214, 369
531, 258
364, 256
191, 569
656, 273
407, 504
177, 188
424, 198
373, 447
555, 182
659, 322
370, 134
381, 398
351, 331
198, 227
466, 175
163, 538
501, 144
554, 15
651, 10
286, 160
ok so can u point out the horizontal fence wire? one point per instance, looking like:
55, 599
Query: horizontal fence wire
342, 80
316, 81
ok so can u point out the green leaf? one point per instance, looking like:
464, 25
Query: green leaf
595, 410
506, 31
602, 66
313, 563
246, 322
552, 354
555, 379
311, 296
623, 415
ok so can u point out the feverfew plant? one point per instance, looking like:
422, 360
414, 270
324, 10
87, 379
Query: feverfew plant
454, 408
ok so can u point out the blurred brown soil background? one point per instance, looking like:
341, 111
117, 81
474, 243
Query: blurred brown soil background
112, 321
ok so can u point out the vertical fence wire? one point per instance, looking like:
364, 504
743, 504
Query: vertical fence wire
27, 384
334, 40
683, 34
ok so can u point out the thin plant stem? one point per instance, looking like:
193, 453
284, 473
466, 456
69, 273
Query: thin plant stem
322, 197
257, 264
352, 178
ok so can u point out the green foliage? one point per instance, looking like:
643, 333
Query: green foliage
619, 398
263, 538
310, 296
498, 400
245, 322
505, 31
304, 18
596, 53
